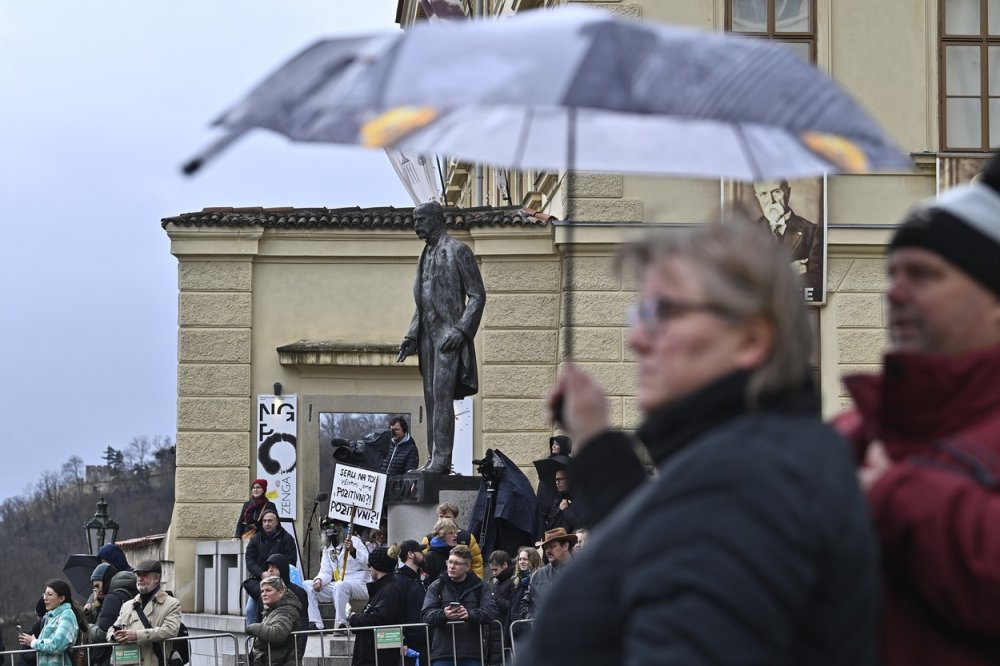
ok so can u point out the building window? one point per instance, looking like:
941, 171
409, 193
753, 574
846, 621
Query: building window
970, 74
792, 22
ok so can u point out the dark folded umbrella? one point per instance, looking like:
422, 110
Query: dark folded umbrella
78, 570
517, 521
547, 468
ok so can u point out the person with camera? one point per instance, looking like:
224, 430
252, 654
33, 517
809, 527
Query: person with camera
459, 596
152, 617
343, 574
402, 454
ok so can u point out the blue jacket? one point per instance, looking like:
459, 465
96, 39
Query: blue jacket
59, 633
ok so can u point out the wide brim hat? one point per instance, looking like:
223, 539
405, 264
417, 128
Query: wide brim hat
559, 534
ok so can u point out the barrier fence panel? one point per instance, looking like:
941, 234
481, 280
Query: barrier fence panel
523, 629
503, 641
215, 638
395, 641
243, 655
13, 654
216, 655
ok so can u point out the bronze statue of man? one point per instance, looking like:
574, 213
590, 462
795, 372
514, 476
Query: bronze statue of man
450, 298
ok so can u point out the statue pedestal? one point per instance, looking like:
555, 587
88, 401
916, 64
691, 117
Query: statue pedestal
413, 498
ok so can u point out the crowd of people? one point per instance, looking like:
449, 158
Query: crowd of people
440, 581
765, 535
127, 607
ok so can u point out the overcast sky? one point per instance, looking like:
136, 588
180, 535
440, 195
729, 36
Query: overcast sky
102, 101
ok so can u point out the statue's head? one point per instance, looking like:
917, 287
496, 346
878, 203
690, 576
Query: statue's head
428, 221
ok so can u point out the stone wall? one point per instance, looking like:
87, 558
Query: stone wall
857, 304
214, 404
520, 346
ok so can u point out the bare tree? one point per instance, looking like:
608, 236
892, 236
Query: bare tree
138, 450
73, 473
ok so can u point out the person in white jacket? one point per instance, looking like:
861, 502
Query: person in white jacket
338, 583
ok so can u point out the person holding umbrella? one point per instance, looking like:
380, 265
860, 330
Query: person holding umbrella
559, 512
757, 545
545, 491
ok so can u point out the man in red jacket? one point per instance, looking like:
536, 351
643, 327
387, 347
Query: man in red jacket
927, 432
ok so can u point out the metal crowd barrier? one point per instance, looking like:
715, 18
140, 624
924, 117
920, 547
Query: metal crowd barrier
351, 634
245, 655
214, 637
13, 653
513, 644
92, 646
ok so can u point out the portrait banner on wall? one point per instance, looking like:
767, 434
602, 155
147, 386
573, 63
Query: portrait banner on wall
795, 214
277, 451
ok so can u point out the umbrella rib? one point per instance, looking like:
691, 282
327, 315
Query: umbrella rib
754, 168
522, 140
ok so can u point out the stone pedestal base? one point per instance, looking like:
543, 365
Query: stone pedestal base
413, 498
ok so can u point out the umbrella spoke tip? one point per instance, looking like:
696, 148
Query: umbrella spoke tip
190, 168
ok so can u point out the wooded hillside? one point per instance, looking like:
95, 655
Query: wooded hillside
43, 526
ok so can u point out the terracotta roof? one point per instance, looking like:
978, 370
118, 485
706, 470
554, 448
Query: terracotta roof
386, 217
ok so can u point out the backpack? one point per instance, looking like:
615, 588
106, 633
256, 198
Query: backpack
180, 651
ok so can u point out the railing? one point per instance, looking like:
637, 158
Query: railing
89, 647
352, 635
526, 624
244, 654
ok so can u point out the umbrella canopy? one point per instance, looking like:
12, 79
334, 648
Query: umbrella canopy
622, 95
547, 468
517, 519
78, 570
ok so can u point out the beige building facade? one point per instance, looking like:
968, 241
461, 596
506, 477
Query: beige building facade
319, 299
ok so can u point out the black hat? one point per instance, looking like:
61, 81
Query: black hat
962, 226
148, 566
379, 560
564, 442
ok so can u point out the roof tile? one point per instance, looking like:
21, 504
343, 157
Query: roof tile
387, 217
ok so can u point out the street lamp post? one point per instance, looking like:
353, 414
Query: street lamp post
99, 527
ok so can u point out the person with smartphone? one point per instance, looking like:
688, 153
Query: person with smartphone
121, 589
459, 606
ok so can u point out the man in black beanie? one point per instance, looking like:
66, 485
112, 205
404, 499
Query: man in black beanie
385, 606
927, 432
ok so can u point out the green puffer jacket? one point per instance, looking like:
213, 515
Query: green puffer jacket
273, 643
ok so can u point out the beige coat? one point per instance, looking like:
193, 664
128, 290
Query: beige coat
164, 614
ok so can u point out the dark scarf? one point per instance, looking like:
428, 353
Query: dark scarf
668, 430
254, 504
145, 597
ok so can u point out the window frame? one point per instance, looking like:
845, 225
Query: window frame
984, 41
771, 33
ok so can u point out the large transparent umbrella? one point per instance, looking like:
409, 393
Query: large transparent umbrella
575, 89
